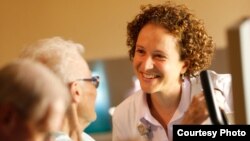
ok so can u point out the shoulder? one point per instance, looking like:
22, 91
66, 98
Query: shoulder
60, 136
87, 137
126, 115
130, 103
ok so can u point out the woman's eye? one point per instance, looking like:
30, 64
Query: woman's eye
140, 51
159, 56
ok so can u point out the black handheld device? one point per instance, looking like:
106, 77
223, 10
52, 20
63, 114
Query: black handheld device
217, 115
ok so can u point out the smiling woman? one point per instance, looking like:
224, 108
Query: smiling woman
168, 46
100, 26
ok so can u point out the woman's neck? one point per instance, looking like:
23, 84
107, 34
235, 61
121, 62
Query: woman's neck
163, 106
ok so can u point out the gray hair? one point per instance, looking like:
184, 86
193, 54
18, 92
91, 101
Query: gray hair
61, 56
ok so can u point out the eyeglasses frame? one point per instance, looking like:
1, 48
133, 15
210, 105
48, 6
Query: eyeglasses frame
95, 80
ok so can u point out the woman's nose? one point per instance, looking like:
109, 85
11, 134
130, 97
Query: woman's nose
148, 63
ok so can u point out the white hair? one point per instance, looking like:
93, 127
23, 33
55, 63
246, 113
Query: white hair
61, 56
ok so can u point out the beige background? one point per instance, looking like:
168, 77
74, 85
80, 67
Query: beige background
100, 25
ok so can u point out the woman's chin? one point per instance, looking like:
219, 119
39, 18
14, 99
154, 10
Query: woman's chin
147, 90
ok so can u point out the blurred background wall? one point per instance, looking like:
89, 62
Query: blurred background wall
100, 25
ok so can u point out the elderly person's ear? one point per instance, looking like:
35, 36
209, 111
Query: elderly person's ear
8, 118
75, 91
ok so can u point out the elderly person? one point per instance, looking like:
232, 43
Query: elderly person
33, 101
64, 57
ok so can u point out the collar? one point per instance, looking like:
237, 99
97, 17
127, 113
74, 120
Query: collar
145, 116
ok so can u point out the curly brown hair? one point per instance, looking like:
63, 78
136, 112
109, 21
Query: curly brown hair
194, 43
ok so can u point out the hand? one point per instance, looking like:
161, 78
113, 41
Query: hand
197, 111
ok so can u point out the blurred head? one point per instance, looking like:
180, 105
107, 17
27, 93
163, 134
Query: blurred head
64, 57
33, 101
192, 41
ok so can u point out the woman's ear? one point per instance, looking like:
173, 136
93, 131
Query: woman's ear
75, 91
185, 66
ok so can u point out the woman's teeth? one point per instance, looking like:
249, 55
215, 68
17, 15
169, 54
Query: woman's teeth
149, 76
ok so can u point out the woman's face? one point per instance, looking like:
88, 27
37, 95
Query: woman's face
157, 61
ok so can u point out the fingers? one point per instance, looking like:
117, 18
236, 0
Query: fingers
197, 111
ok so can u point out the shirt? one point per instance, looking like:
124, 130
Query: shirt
60, 136
132, 118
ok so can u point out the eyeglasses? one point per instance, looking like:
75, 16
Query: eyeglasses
94, 80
